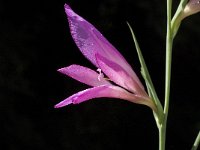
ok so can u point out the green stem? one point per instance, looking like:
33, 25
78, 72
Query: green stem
168, 62
169, 43
196, 142
162, 137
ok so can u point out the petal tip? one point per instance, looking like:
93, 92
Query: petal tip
66, 6
56, 106
71, 14
63, 103
68, 10
67, 69
60, 70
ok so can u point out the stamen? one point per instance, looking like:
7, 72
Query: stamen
100, 74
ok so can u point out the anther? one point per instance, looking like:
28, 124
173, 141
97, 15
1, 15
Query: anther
100, 74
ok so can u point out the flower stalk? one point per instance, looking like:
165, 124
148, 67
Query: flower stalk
168, 63
185, 9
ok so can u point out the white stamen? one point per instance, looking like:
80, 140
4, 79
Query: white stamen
100, 74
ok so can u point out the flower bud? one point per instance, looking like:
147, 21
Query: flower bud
192, 7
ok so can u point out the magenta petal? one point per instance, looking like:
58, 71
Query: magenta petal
118, 75
84, 75
90, 41
97, 92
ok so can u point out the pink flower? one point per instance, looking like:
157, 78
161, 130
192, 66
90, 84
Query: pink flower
120, 82
192, 7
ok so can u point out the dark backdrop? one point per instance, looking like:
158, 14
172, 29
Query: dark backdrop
35, 41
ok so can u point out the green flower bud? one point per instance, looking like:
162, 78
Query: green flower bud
184, 10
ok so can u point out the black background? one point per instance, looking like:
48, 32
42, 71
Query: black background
35, 41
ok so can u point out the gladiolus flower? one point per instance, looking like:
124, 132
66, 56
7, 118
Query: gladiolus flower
120, 82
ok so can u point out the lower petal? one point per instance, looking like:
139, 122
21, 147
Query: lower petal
101, 91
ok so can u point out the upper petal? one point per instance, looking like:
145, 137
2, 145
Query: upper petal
118, 75
90, 41
102, 91
84, 75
